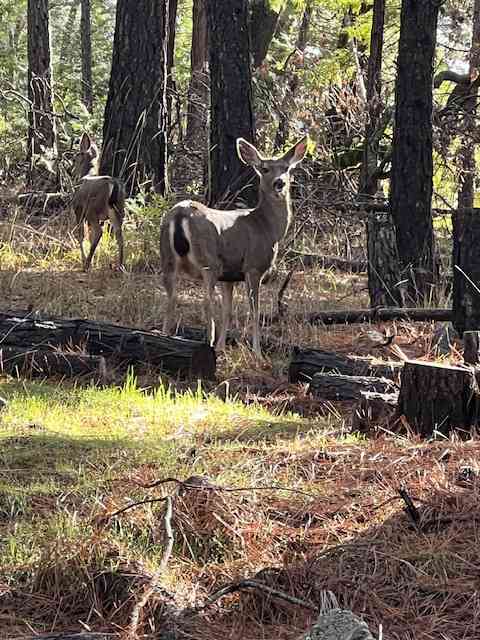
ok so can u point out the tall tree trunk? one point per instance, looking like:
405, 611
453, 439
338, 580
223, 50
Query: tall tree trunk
411, 183
135, 124
86, 39
231, 113
262, 25
172, 32
383, 272
42, 130
198, 89
466, 193
286, 107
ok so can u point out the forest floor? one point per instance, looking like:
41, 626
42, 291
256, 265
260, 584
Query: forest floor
298, 495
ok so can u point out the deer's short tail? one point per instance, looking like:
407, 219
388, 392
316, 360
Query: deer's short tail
181, 244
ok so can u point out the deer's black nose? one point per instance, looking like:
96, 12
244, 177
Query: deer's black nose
278, 184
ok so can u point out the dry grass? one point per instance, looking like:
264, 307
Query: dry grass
321, 511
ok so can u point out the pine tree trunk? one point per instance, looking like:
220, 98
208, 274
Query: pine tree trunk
384, 283
411, 183
231, 114
466, 271
42, 130
467, 188
135, 124
86, 39
198, 90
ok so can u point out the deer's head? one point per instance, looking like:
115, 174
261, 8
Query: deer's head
86, 159
274, 172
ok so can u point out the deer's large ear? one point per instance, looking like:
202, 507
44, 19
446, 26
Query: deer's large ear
297, 153
247, 153
85, 143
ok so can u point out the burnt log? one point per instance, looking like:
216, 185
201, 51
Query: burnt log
305, 363
330, 386
435, 397
373, 410
355, 316
126, 346
42, 363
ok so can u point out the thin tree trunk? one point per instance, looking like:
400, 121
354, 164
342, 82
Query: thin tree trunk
467, 189
286, 107
231, 114
196, 135
42, 130
411, 183
135, 124
86, 39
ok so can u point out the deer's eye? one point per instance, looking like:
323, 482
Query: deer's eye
263, 170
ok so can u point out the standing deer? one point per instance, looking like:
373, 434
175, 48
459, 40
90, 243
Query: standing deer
230, 246
96, 199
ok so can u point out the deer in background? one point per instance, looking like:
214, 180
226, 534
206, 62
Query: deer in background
230, 246
96, 199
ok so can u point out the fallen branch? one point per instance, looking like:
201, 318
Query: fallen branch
245, 585
47, 362
378, 314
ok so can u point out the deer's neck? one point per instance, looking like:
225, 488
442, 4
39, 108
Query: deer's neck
278, 212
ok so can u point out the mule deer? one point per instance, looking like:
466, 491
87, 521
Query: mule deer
96, 199
230, 246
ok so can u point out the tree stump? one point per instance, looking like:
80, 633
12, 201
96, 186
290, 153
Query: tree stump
305, 363
471, 343
329, 386
440, 398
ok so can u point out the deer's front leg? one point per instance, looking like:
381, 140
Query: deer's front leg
253, 285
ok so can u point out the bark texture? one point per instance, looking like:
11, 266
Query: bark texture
86, 40
411, 181
384, 282
231, 114
467, 154
331, 386
438, 398
263, 23
42, 130
135, 124
466, 271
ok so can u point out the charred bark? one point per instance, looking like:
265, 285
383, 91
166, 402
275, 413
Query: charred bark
41, 126
330, 386
231, 114
438, 398
123, 345
136, 120
384, 282
411, 182
466, 271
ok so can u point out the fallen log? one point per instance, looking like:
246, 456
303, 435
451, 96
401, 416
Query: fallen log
330, 386
47, 362
126, 346
436, 397
327, 262
382, 314
305, 363
373, 410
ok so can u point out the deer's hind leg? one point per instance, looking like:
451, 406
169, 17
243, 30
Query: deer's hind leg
79, 233
116, 222
209, 278
253, 285
95, 233
227, 303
